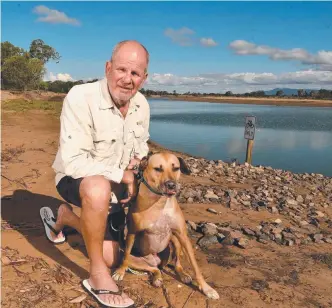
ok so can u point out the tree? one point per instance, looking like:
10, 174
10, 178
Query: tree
43, 52
22, 72
9, 50
280, 93
301, 93
229, 93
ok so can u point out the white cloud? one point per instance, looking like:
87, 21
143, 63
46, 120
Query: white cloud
54, 16
182, 37
59, 76
242, 47
240, 82
208, 42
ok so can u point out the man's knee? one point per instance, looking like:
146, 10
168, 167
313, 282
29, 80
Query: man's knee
95, 190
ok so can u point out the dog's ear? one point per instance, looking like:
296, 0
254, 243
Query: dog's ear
183, 167
144, 162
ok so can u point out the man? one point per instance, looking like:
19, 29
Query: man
104, 134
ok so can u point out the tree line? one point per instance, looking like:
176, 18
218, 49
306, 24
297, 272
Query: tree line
24, 70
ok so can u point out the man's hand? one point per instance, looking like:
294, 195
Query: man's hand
134, 163
129, 179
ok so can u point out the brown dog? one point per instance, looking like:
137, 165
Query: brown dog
155, 220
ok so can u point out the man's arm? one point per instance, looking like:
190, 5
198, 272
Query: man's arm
76, 141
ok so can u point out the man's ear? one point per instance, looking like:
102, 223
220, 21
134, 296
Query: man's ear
183, 167
108, 67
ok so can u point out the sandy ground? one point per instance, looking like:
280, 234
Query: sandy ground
36, 273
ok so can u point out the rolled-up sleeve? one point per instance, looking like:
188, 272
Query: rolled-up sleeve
76, 141
143, 148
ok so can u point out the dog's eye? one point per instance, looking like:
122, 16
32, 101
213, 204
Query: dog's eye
176, 169
158, 169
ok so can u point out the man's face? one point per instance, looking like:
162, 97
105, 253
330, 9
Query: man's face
126, 73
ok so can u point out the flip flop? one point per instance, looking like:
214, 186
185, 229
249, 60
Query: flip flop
95, 294
48, 220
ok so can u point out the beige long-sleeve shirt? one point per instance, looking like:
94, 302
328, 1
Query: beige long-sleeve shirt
95, 139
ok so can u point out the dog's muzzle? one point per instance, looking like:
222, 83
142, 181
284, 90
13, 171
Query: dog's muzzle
170, 187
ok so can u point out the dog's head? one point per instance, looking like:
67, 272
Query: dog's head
162, 171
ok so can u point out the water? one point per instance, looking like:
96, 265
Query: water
298, 139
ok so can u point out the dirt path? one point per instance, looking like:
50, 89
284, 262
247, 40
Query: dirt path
38, 274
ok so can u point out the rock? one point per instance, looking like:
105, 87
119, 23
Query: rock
190, 200
209, 229
276, 231
233, 204
236, 234
211, 195
274, 210
207, 241
289, 242
291, 202
299, 199
248, 231
318, 238
328, 240
278, 221
303, 223
212, 211
242, 242
246, 203
192, 225
320, 214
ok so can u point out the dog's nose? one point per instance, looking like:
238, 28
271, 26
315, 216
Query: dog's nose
170, 185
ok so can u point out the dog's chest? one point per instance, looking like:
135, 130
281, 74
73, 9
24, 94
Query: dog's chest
162, 226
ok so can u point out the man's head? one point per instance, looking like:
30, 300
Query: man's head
126, 71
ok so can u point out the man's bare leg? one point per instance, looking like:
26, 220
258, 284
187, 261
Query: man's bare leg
95, 192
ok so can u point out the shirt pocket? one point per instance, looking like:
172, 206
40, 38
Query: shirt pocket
138, 130
105, 143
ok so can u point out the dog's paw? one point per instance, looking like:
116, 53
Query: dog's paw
185, 278
118, 274
211, 293
157, 282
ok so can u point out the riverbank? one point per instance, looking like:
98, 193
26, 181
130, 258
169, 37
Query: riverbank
250, 100
51, 96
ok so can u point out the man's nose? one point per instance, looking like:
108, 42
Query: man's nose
127, 78
170, 184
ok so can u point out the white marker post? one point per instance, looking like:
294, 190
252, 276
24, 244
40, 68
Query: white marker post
249, 134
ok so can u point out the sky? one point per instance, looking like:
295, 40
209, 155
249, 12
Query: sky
194, 46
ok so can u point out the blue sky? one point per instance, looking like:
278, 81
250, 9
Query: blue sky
194, 46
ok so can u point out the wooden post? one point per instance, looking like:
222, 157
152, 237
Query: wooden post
250, 145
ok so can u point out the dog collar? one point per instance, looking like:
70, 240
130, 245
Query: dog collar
141, 179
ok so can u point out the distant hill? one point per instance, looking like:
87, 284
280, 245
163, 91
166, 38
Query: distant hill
287, 91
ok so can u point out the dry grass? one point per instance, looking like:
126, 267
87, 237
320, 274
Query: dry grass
21, 105
11, 154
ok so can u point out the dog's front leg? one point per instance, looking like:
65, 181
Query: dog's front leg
203, 286
120, 272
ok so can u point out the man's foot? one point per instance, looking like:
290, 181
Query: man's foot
103, 281
59, 225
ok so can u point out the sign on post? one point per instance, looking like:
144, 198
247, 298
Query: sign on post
249, 134
249, 130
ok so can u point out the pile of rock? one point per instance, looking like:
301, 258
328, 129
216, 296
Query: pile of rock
303, 198
229, 234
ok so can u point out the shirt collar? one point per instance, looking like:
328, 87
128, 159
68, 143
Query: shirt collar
106, 101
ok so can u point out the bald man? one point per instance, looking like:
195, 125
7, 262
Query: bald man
104, 134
